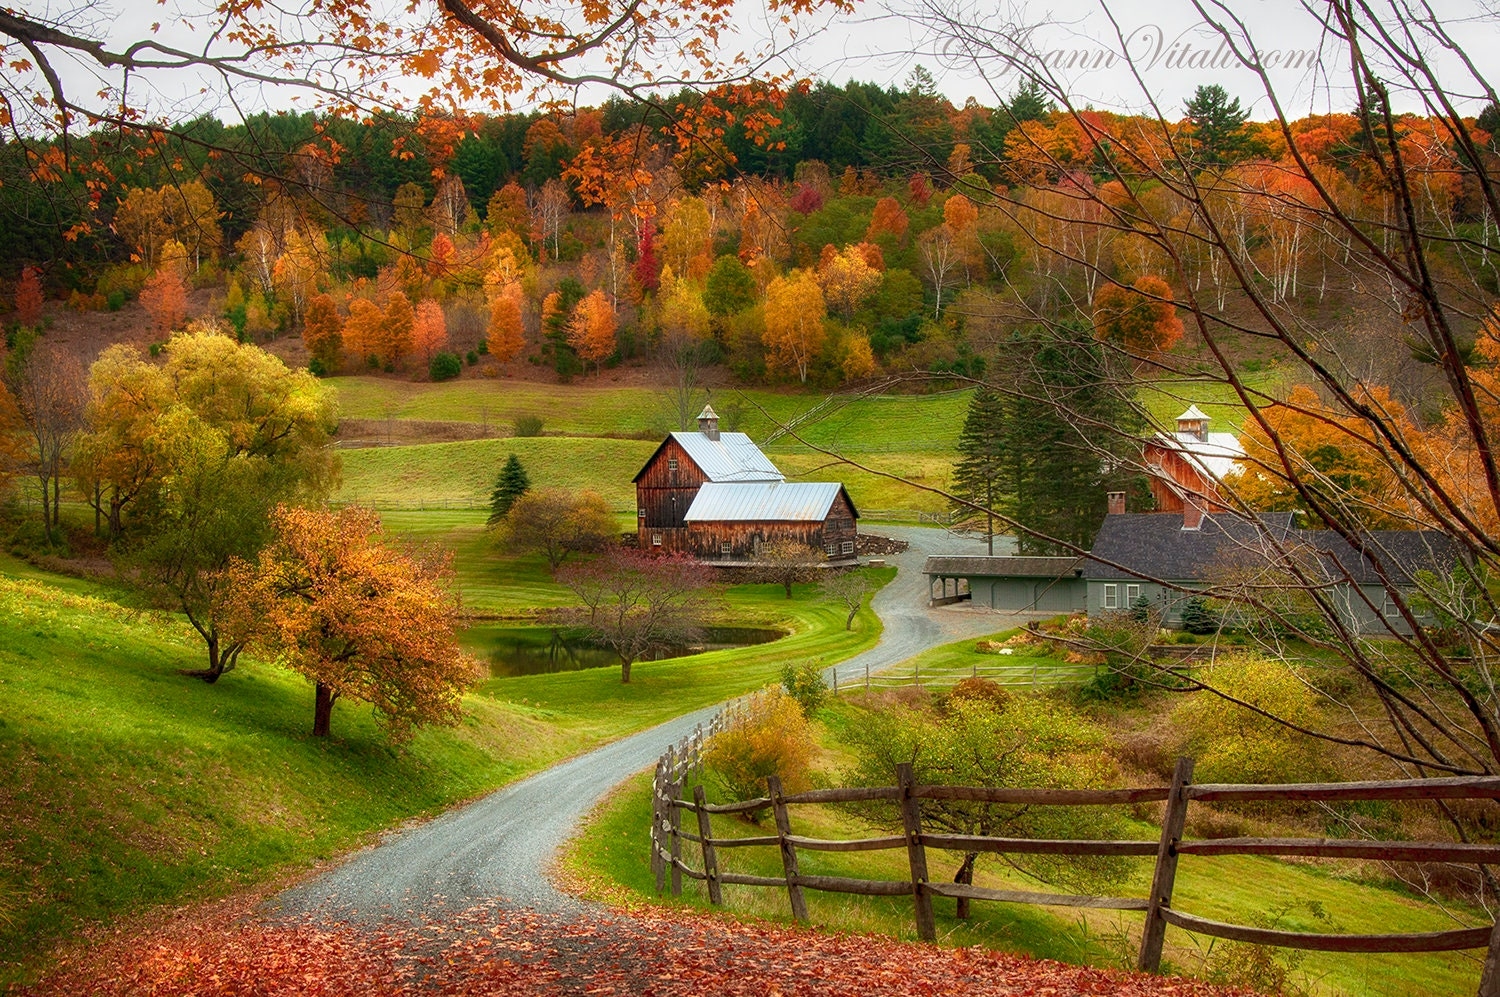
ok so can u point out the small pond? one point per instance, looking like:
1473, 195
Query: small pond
511, 650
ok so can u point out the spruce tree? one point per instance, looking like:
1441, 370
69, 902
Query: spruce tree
511, 485
979, 476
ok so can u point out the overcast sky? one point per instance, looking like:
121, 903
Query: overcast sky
1080, 43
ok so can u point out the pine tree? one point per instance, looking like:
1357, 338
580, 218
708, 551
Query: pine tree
980, 473
511, 485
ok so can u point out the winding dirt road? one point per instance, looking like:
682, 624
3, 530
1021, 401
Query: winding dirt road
499, 846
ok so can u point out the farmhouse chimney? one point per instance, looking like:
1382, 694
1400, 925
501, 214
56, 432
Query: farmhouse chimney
708, 422
1192, 512
1116, 503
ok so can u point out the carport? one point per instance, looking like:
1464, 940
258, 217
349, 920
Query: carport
1009, 584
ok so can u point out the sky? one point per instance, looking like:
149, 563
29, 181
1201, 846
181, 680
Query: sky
978, 49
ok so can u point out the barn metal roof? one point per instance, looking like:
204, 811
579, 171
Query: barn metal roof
732, 457
773, 501
1216, 455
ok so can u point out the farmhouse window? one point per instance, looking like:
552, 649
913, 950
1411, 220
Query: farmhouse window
1389, 609
1132, 593
726, 547
847, 547
656, 539
671, 463
1111, 597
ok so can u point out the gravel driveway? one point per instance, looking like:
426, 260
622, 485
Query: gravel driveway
499, 846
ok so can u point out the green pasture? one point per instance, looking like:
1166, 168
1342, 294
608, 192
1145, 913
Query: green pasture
611, 859
1026, 666
130, 786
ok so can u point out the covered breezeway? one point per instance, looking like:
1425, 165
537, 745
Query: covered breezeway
1009, 583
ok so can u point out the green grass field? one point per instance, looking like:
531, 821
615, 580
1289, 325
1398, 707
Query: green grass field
129, 785
909, 436
610, 860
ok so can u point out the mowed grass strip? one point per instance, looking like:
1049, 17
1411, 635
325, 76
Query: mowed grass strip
610, 860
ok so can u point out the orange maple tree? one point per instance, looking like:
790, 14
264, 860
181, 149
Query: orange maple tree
506, 333
165, 299
397, 330
29, 297
429, 330
336, 600
322, 331
1141, 318
591, 331
362, 328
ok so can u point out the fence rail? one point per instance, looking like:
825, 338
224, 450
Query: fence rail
685, 759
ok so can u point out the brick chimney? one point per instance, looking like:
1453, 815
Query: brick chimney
1116, 503
708, 422
1192, 512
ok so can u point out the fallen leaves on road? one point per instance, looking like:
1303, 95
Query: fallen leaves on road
493, 951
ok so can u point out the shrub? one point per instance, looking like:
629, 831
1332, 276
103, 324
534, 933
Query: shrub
1234, 744
472, 357
317, 368
528, 425
765, 737
804, 683
444, 367
978, 690
115, 300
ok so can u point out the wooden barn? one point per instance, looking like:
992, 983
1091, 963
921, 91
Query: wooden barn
717, 497
1186, 468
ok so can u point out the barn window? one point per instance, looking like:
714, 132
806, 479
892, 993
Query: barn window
640, 513
847, 547
831, 549
671, 463
656, 539
726, 547
1111, 597
1132, 593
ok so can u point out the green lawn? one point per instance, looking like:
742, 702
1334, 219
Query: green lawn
611, 860
129, 785
1026, 666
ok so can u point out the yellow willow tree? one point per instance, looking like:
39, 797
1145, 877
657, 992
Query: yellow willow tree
337, 600
794, 314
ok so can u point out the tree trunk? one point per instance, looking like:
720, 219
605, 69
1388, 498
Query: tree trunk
217, 659
853, 612
624, 671
322, 709
965, 877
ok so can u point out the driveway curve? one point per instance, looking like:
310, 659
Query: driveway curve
501, 846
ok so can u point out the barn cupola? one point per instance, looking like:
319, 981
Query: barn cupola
1193, 423
708, 422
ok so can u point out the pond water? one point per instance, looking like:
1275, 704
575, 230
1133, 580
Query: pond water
537, 650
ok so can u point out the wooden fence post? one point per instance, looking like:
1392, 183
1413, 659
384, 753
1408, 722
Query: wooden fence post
788, 851
674, 828
710, 856
1489, 977
1166, 868
657, 866
916, 853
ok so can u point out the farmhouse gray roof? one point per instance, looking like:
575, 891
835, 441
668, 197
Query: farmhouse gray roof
732, 457
774, 501
1006, 566
1155, 545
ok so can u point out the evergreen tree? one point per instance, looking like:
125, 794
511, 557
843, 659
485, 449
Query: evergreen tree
511, 485
981, 471
1053, 438
1218, 126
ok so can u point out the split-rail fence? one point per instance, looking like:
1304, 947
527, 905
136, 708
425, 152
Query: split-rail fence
675, 771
